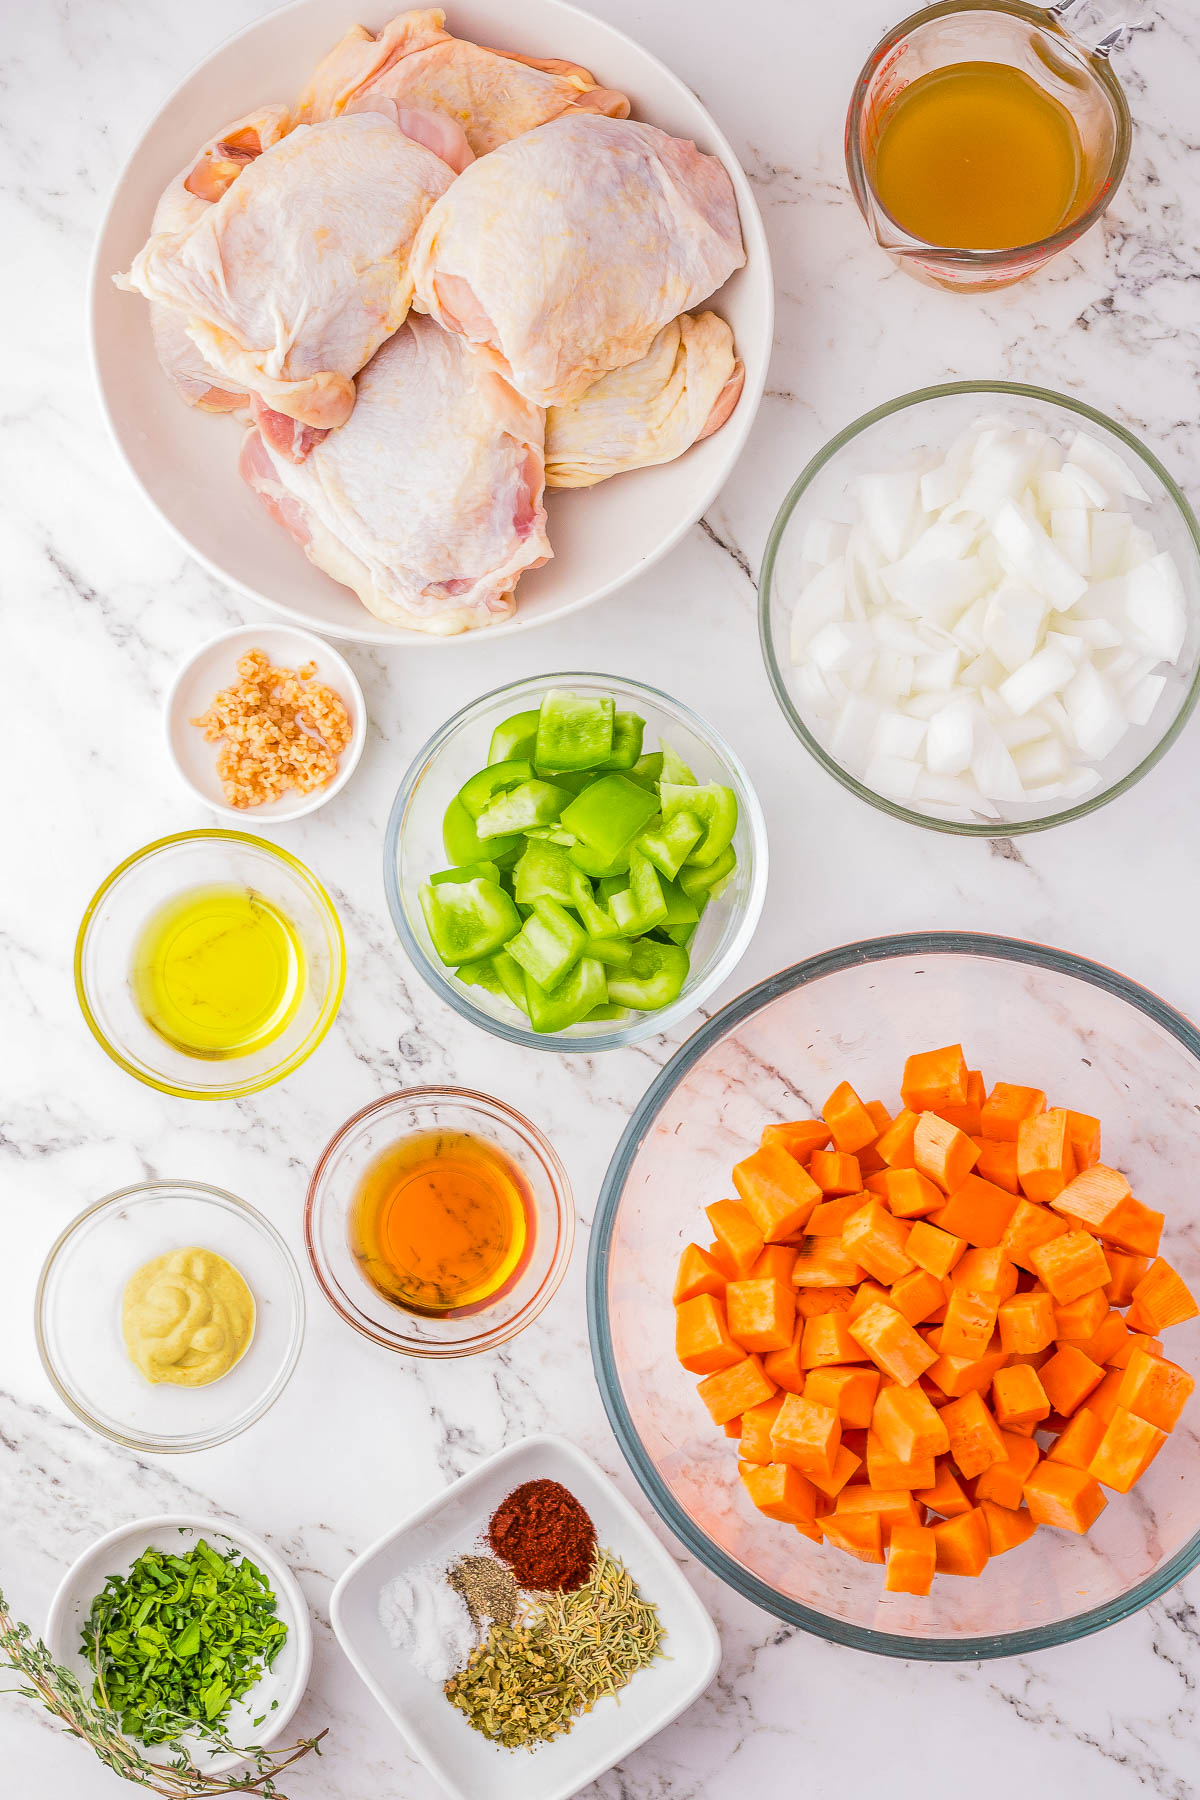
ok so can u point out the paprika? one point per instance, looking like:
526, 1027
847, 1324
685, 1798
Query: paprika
544, 1535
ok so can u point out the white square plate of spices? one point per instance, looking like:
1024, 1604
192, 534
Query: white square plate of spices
455, 1522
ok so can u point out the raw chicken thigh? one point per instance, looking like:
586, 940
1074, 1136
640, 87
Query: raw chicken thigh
564, 252
493, 95
428, 502
682, 390
297, 274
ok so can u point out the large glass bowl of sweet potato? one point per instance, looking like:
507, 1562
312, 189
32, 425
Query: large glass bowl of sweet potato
891, 1296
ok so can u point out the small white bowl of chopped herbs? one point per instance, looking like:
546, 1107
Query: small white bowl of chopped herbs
622, 1653
193, 1618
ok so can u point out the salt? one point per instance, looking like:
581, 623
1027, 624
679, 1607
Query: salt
422, 1614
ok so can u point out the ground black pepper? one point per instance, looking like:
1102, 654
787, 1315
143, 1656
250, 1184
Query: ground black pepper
544, 1535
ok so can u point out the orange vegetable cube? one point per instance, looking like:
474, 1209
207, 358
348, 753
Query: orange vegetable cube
912, 1559
917, 1296
806, 1434
1079, 1439
1084, 1133
1161, 1298
755, 1434
1155, 1389
1126, 1450
828, 1340
1108, 1339
828, 1219
702, 1339
1006, 1106
975, 1440
1093, 1195
1004, 1482
959, 1375
969, 1323
1018, 1397
969, 1115
735, 1390
1026, 1322
781, 1492
852, 1126
1080, 1318
1103, 1399
849, 1391
1007, 1527
1135, 1340
761, 1314
891, 1343
947, 1495
934, 1249
825, 1262
799, 1137
876, 1242
943, 1153
723, 1261
775, 1264
1070, 1266
835, 1172
776, 1191
997, 1162
1070, 1499
868, 1294
978, 1211
961, 1543
886, 1471
893, 1508
1127, 1271
810, 1302
845, 1466
908, 1194
737, 1234
934, 1078
987, 1272
896, 1145
697, 1274
907, 1424
784, 1367
858, 1534
1068, 1378
1029, 1226
1045, 1159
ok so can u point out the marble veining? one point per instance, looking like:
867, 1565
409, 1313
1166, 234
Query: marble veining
100, 606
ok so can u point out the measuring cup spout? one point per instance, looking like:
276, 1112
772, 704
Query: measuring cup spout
1102, 26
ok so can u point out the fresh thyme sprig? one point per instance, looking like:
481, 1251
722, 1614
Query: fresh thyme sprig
94, 1721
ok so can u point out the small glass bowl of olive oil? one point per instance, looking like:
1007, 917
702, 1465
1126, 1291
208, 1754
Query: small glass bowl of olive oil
983, 137
439, 1222
210, 964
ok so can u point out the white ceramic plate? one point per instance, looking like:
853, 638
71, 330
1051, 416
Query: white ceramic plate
214, 666
465, 1763
284, 1684
185, 461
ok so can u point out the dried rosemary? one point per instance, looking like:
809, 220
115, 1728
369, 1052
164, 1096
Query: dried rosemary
529, 1682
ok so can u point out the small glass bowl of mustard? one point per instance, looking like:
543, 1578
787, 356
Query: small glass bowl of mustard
79, 1323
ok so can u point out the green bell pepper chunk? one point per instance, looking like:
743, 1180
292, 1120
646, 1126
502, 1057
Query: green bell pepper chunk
716, 808
647, 770
468, 919
544, 871
573, 999
549, 944
575, 731
481, 974
675, 770
629, 728
640, 906
612, 884
681, 934
590, 862
483, 871
669, 843
608, 815
597, 922
514, 738
511, 977
682, 908
463, 844
606, 1013
530, 803
654, 978
478, 793
709, 877
615, 952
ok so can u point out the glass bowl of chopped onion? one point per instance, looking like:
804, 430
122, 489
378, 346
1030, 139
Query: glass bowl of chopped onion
980, 608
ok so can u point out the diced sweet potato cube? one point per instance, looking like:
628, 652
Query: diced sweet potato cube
969, 1323
1161, 1298
852, 1126
978, 1211
850, 1392
1006, 1106
959, 1375
1070, 1499
1126, 1450
987, 1272
1127, 1271
761, 1314
734, 1390
1007, 1528
737, 1234
703, 1342
846, 1466
997, 1162
934, 1249
1155, 1389
1103, 1399
891, 1343
825, 1262
1079, 1439
1029, 1226
828, 1339
806, 1434
835, 1172
1018, 1397
1092, 1195
912, 1559
947, 1495
909, 1195
868, 1294
1045, 1159
876, 1242
1106, 1342
1026, 1322
828, 1219
907, 1424
858, 1534
896, 1144
943, 1153
1068, 1378
1084, 1132
1133, 1227
811, 1302
894, 1507
1134, 1340
781, 1492
755, 1435
775, 1264
969, 1115
1004, 1482
917, 1296
776, 1191
697, 1274
934, 1078
783, 1367
1070, 1266
1080, 1318
886, 1470
975, 1440
962, 1543
799, 1137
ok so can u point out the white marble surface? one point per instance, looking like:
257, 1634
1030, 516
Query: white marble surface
100, 607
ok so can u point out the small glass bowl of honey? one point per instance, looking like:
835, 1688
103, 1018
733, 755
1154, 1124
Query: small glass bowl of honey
210, 964
439, 1222
983, 136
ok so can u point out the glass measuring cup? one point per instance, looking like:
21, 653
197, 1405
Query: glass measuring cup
1036, 40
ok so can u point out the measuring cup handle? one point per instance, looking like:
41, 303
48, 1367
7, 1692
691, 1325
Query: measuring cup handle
1103, 25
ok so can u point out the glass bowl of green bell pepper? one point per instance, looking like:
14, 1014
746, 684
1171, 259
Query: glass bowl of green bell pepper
575, 861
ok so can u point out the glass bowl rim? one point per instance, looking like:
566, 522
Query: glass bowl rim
641, 1025
564, 1210
1042, 18
750, 1587
163, 1186
775, 674
329, 1008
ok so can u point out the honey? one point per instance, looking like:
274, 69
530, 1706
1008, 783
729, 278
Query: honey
441, 1223
978, 156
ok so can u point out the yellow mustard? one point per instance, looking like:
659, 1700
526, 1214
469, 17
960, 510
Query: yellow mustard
186, 1317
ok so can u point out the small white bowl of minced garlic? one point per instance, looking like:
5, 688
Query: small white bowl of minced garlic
170, 1316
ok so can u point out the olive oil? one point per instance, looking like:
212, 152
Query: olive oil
218, 972
978, 156
441, 1223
